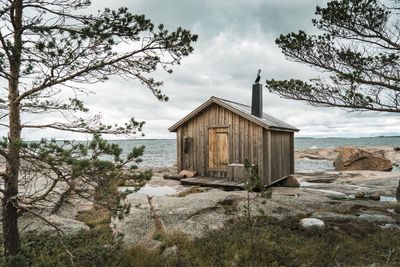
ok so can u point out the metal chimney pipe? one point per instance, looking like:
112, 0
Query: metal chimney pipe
257, 100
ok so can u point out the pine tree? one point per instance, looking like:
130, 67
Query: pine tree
357, 51
48, 51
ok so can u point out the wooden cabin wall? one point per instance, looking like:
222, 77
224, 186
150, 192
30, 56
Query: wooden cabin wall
291, 153
282, 155
266, 178
179, 149
245, 140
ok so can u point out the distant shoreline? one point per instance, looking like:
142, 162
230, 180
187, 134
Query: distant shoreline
161, 139
338, 137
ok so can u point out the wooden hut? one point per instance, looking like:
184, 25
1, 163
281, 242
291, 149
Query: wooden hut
216, 138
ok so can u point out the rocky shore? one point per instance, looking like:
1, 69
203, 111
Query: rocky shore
330, 153
329, 196
333, 197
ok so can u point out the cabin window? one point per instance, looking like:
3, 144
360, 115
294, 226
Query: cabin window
187, 141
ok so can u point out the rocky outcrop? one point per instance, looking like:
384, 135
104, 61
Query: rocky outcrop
359, 195
374, 196
330, 153
65, 225
192, 214
350, 159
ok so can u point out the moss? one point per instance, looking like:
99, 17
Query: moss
176, 238
95, 217
138, 256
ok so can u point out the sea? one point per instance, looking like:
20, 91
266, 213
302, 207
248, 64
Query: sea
162, 152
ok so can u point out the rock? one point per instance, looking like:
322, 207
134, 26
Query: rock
350, 159
191, 190
370, 217
230, 200
332, 216
308, 223
359, 195
170, 251
374, 196
311, 156
390, 226
187, 174
290, 182
68, 226
374, 218
193, 214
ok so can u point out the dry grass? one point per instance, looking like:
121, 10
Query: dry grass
95, 217
270, 243
191, 190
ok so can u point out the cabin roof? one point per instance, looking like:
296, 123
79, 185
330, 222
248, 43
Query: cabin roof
267, 121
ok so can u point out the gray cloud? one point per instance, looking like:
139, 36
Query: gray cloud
235, 39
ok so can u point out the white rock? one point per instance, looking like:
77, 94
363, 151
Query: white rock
68, 226
312, 222
170, 251
390, 226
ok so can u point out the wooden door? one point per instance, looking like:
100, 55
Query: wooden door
218, 158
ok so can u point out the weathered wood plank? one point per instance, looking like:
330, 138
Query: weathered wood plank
212, 182
178, 149
260, 152
291, 153
269, 157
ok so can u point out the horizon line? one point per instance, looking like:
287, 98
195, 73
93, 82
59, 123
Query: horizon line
299, 137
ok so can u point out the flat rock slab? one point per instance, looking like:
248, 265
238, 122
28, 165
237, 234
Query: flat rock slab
67, 226
193, 214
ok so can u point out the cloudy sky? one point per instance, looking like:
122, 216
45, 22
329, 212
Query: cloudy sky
236, 37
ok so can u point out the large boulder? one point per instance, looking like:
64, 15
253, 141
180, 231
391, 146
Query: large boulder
312, 223
351, 159
187, 174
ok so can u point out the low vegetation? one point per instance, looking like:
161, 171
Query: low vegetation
276, 243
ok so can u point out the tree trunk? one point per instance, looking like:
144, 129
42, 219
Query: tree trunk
9, 203
10, 217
